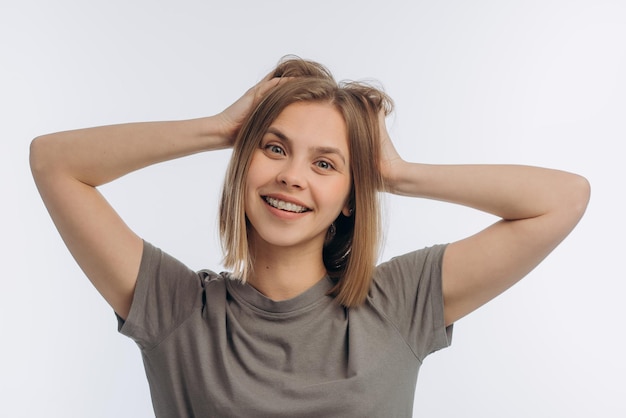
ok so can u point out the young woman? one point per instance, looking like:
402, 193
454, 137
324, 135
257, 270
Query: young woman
305, 325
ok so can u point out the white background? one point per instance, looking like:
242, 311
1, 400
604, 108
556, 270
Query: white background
528, 82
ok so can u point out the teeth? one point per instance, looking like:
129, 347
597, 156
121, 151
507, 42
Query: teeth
287, 206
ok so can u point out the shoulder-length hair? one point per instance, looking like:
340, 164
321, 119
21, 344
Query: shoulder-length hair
350, 253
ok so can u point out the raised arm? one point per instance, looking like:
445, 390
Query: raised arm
538, 207
68, 167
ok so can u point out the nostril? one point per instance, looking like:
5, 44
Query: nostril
289, 180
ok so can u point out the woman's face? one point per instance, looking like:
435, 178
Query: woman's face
299, 178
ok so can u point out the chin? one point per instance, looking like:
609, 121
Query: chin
282, 240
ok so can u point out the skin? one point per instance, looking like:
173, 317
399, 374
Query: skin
538, 207
303, 159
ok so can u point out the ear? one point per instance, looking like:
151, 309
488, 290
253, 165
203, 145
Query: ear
347, 210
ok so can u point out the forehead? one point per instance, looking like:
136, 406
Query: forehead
312, 124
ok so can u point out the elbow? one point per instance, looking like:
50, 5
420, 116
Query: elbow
584, 194
35, 156
41, 158
579, 193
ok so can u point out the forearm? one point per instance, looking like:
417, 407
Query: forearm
508, 191
98, 155
538, 207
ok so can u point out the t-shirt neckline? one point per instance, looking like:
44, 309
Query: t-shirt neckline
251, 296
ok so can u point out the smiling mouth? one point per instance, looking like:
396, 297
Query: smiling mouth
286, 206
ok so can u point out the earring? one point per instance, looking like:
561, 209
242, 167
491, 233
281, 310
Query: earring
330, 234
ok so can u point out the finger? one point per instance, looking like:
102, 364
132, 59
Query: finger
269, 76
265, 86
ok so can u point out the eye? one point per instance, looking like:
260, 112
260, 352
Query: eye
275, 149
324, 165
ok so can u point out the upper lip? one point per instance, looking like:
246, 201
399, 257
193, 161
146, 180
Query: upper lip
288, 199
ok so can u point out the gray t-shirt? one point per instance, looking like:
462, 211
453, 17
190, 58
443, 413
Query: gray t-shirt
214, 347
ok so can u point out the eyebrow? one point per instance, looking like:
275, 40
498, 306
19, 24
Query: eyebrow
319, 149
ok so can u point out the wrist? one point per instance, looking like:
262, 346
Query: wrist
403, 178
215, 132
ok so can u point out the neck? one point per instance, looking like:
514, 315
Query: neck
282, 273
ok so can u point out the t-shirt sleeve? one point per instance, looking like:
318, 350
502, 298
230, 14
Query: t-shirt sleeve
166, 293
408, 291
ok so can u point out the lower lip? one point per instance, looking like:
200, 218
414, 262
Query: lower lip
283, 214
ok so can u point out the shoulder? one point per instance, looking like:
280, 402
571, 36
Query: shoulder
408, 279
407, 291
163, 274
412, 264
209, 276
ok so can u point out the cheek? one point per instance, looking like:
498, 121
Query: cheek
249, 190
251, 180
254, 171
338, 194
257, 168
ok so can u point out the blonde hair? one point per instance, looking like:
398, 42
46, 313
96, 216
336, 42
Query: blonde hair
350, 254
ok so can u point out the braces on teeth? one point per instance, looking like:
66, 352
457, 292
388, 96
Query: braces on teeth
290, 207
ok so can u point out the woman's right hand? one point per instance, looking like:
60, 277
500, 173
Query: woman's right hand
232, 118
68, 166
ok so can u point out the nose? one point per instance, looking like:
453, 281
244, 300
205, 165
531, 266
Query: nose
292, 175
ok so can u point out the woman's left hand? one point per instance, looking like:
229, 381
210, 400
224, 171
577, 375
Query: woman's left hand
538, 207
390, 160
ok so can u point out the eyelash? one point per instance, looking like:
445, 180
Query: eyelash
272, 148
277, 149
330, 166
